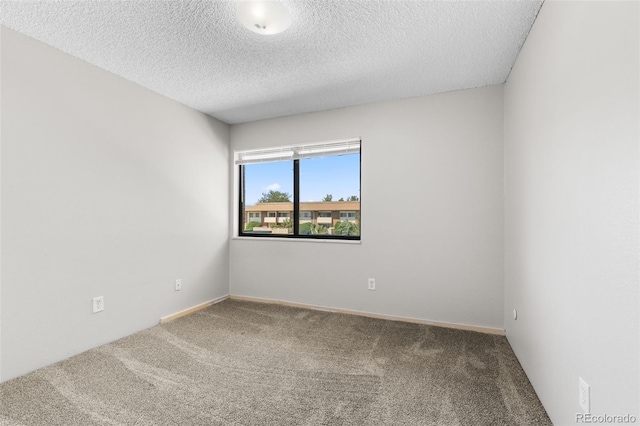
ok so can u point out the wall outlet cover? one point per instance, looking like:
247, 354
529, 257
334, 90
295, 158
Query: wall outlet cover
584, 396
98, 304
371, 284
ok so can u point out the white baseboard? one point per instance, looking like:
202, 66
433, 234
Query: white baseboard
193, 309
477, 328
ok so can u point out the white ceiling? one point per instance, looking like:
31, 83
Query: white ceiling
335, 54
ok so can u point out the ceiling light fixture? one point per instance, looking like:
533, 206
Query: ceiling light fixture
263, 17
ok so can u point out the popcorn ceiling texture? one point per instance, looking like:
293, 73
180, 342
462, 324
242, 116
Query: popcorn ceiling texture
335, 54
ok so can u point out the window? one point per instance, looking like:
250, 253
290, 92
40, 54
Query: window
304, 191
350, 216
305, 217
284, 218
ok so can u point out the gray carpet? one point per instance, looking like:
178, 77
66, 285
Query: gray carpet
240, 363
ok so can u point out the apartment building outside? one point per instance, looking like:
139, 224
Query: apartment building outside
327, 213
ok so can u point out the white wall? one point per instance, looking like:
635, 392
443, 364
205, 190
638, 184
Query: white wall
572, 250
432, 212
107, 189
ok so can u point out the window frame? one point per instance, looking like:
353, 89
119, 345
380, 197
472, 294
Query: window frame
295, 216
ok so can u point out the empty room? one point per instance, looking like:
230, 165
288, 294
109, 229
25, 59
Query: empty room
323, 212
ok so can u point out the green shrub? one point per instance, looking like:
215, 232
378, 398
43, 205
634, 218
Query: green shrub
346, 228
249, 226
287, 223
309, 228
305, 228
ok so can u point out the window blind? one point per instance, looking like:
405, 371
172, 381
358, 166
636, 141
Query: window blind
297, 152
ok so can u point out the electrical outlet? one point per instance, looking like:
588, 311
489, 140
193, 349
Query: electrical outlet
584, 395
371, 284
98, 304
178, 285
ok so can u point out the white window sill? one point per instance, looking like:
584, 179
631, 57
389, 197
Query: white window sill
298, 240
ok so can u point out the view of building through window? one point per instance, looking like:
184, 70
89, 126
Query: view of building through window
329, 203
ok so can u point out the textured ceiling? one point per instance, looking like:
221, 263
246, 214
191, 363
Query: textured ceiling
335, 54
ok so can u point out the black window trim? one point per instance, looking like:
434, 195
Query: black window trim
296, 210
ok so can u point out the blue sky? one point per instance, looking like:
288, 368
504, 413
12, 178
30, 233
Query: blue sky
335, 175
